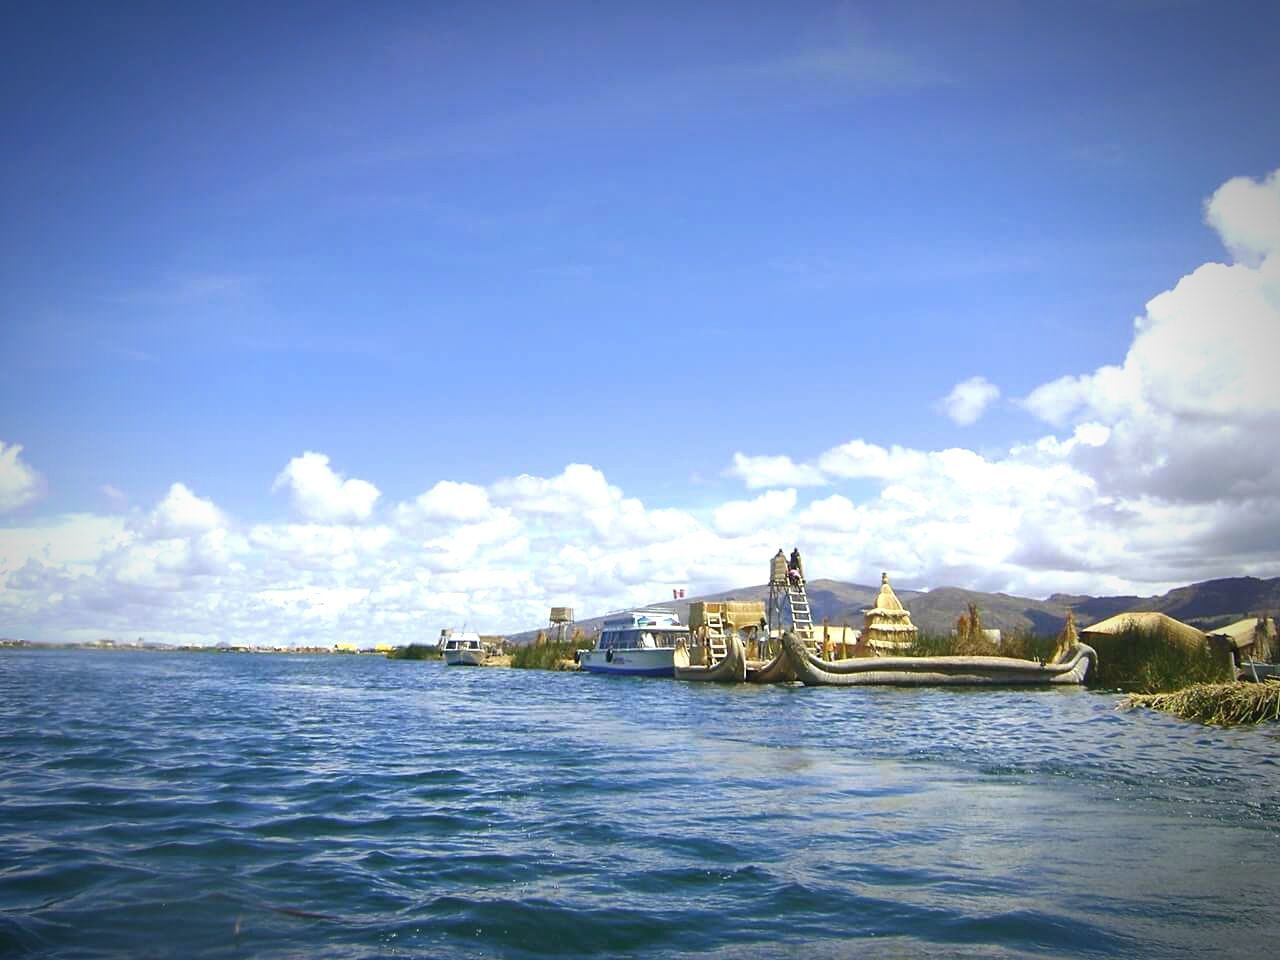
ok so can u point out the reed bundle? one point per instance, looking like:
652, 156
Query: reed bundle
1222, 704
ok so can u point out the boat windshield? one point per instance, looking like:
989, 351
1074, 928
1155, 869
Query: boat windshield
640, 639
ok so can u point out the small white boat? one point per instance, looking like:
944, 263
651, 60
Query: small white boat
640, 643
464, 650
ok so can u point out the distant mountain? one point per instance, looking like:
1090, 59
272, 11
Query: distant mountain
1216, 601
1205, 605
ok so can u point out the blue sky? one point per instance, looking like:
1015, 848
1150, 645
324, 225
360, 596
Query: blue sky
446, 242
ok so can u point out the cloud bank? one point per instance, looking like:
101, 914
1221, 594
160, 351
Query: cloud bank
1156, 470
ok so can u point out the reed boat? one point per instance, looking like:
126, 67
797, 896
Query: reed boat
776, 670
1071, 667
731, 668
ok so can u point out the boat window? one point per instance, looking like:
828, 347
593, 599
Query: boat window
647, 641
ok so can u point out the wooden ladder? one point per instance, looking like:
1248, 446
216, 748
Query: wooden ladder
717, 646
801, 615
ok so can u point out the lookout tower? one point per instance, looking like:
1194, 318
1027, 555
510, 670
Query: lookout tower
561, 623
787, 587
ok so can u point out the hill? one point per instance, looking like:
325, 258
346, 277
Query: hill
1206, 604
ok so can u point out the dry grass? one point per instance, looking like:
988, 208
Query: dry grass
1223, 704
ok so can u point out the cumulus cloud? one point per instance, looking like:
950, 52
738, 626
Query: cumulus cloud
320, 493
1153, 470
968, 400
19, 484
1246, 214
739, 517
448, 500
579, 487
1198, 386
181, 511
774, 471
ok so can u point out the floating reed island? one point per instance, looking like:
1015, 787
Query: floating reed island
1221, 704
1160, 662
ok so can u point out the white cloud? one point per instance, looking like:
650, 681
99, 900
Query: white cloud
739, 517
859, 460
1246, 214
969, 399
448, 500
1198, 387
181, 511
579, 487
19, 484
319, 493
1157, 471
774, 471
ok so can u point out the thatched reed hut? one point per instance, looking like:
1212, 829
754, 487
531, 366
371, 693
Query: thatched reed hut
1253, 637
1152, 652
1148, 622
887, 626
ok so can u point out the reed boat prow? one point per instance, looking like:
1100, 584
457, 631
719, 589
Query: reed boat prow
776, 670
731, 668
1072, 668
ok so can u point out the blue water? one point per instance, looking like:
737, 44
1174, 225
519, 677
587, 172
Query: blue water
163, 805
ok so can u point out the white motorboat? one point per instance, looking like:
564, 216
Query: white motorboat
464, 650
640, 643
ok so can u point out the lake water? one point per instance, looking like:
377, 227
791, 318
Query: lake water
160, 805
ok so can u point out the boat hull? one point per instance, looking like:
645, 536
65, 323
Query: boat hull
937, 671
731, 668
464, 658
630, 662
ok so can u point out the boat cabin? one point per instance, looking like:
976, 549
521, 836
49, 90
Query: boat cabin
462, 641
642, 630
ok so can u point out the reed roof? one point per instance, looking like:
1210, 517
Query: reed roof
1243, 632
1146, 620
887, 601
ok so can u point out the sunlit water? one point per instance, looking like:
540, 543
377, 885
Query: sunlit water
157, 805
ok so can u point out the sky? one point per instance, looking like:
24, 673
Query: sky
322, 322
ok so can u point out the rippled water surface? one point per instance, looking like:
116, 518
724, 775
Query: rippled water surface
156, 805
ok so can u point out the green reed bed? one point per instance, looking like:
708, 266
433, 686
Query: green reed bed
1222, 704
1153, 660
416, 651
547, 655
